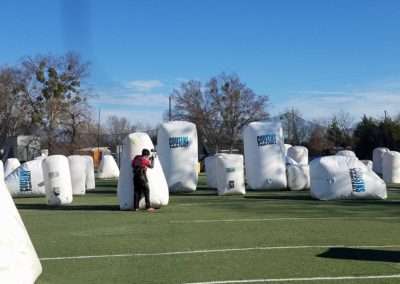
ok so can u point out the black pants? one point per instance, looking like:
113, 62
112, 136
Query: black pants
141, 188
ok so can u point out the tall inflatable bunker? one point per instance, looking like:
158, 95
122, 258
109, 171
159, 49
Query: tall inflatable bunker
178, 150
57, 180
264, 154
77, 169
159, 196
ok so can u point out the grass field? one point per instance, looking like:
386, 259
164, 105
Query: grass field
201, 237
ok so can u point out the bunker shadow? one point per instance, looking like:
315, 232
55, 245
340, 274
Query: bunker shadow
69, 207
197, 193
362, 254
99, 191
280, 197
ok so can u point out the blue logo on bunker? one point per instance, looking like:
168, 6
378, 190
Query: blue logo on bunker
357, 180
267, 139
179, 142
25, 183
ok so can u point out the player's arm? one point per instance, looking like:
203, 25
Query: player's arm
151, 162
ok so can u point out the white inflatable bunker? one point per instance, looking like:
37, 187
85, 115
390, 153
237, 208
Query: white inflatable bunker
41, 157
108, 168
368, 163
19, 262
178, 152
340, 177
299, 154
298, 177
77, 168
27, 180
230, 174
90, 179
264, 156
10, 166
1, 171
391, 167
346, 153
377, 156
286, 148
159, 196
210, 164
57, 180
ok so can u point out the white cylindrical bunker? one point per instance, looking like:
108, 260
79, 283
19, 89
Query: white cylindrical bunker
178, 151
10, 166
27, 180
108, 168
90, 179
341, 177
391, 167
230, 174
133, 145
19, 262
346, 153
298, 177
57, 180
368, 163
77, 168
264, 156
1, 171
377, 156
299, 154
286, 148
210, 164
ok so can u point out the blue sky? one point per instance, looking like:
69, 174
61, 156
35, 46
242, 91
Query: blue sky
317, 56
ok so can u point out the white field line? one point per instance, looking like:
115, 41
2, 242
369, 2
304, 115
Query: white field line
188, 252
276, 280
280, 219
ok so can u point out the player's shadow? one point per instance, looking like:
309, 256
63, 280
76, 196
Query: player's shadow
362, 254
69, 207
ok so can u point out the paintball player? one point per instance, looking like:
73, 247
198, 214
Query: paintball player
140, 182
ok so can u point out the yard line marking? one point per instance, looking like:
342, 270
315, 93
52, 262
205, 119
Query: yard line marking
187, 252
279, 219
333, 278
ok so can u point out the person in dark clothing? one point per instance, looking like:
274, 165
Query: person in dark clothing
140, 164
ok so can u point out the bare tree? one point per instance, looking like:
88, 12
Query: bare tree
220, 109
116, 129
318, 144
78, 124
53, 87
14, 108
296, 130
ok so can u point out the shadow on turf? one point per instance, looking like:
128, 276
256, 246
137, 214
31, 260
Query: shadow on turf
105, 191
280, 197
69, 207
195, 193
362, 254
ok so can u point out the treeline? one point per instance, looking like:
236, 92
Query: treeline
222, 106
340, 132
47, 96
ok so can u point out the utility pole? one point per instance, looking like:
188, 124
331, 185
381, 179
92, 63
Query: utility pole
170, 106
98, 132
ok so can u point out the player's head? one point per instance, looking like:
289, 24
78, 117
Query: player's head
145, 152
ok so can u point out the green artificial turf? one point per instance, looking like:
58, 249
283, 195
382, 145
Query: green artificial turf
93, 225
